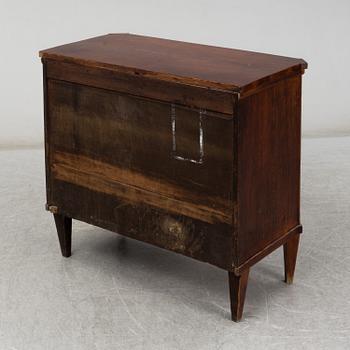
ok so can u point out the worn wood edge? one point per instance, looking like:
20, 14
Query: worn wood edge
46, 133
107, 225
238, 270
235, 150
51, 208
101, 177
141, 72
225, 111
208, 112
244, 91
272, 80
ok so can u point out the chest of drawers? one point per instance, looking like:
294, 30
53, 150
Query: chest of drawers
192, 148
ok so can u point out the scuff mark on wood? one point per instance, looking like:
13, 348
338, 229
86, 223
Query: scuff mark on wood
200, 160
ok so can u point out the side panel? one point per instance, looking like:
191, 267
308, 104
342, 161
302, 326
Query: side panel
268, 166
155, 171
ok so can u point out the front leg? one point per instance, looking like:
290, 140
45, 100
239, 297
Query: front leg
238, 287
64, 231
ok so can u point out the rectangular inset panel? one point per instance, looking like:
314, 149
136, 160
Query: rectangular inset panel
189, 126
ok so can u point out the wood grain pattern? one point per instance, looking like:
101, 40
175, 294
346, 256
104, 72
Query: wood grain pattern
176, 61
137, 188
194, 238
191, 148
268, 166
172, 92
137, 134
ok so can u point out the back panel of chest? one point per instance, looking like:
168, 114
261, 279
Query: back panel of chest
193, 148
155, 170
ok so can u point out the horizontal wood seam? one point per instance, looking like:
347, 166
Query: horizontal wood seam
97, 182
209, 113
245, 90
195, 82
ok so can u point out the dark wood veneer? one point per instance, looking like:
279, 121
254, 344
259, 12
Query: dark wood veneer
193, 148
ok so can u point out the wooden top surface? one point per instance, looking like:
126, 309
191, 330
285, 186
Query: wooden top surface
201, 65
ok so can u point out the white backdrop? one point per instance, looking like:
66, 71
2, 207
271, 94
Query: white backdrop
317, 31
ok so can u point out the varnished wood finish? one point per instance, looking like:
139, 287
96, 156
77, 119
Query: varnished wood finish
192, 64
64, 231
290, 249
136, 134
268, 166
238, 286
135, 188
215, 100
194, 238
269, 248
191, 148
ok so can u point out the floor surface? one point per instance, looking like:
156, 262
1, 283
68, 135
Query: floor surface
116, 293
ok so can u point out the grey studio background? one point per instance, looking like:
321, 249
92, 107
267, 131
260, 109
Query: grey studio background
122, 294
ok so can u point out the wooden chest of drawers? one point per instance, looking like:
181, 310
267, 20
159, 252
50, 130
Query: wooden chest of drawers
192, 148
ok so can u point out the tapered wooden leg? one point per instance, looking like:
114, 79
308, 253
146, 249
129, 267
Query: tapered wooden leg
64, 231
290, 249
238, 287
